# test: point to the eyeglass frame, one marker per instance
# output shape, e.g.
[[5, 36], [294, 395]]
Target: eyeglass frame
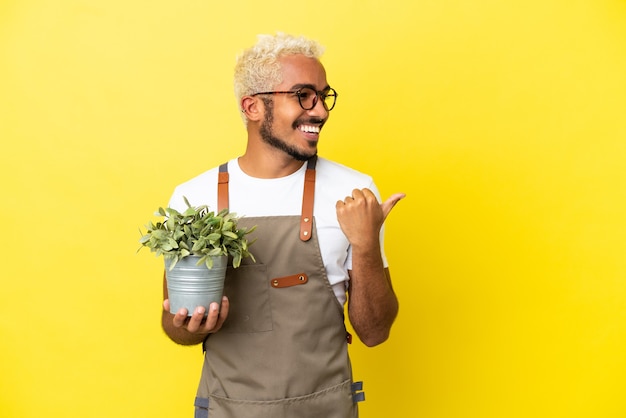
[[318, 96]]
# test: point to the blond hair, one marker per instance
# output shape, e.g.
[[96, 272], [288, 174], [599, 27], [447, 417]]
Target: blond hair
[[258, 68]]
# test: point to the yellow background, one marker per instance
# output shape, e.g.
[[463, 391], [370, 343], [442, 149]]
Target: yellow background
[[504, 122]]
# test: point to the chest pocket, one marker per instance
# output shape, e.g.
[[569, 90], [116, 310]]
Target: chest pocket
[[248, 291]]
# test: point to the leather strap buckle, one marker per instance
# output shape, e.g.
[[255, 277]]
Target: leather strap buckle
[[288, 281]]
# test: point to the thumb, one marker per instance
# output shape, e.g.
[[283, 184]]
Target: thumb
[[391, 202]]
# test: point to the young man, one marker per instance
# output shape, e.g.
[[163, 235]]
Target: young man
[[276, 347]]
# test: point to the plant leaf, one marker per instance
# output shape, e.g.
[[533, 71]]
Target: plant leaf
[[199, 244], [230, 234], [214, 237]]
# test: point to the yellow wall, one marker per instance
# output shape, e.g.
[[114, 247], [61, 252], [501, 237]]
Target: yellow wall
[[504, 122]]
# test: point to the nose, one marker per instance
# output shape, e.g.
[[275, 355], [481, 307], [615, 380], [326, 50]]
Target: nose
[[319, 110]]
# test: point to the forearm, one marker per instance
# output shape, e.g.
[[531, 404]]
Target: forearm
[[372, 303]]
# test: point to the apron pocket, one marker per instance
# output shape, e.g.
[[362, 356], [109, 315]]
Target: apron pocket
[[334, 402], [248, 291]]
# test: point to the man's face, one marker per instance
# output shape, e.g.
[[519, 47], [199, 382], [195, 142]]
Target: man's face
[[286, 125]]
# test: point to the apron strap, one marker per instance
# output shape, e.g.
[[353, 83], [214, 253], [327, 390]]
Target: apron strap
[[222, 188], [306, 218]]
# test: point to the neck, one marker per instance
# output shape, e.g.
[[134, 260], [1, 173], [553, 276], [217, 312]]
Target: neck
[[266, 165]]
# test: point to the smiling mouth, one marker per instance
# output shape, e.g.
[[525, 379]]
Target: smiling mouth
[[312, 129]]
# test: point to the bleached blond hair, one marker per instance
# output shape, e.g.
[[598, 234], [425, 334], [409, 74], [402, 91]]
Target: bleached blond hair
[[258, 68]]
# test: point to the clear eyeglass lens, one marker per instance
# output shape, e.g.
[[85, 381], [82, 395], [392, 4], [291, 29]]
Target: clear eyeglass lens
[[329, 99], [308, 98]]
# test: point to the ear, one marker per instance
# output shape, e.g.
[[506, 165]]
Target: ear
[[252, 108]]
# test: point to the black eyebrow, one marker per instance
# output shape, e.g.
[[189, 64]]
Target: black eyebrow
[[311, 86]]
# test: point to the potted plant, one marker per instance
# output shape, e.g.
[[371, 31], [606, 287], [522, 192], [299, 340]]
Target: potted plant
[[196, 245]]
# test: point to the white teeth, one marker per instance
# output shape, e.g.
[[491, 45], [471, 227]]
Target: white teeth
[[309, 128]]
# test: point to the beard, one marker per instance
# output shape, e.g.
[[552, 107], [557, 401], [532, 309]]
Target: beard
[[269, 138]]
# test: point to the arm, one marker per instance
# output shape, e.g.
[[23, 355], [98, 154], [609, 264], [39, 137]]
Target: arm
[[372, 303], [191, 330]]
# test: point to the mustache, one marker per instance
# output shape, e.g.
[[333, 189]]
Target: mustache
[[309, 121]]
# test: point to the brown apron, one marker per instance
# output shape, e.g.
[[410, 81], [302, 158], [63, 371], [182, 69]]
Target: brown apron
[[282, 351]]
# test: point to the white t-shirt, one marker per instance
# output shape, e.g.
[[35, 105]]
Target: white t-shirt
[[250, 196]]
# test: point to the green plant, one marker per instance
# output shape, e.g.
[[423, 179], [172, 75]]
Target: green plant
[[197, 231]]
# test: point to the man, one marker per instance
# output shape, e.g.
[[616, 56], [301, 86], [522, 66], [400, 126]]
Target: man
[[276, 346]]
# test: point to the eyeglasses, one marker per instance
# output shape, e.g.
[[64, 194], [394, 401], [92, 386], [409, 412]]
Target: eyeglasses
[[308, 97]]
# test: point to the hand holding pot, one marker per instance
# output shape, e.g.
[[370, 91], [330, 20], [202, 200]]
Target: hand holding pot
[[197, 324]]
